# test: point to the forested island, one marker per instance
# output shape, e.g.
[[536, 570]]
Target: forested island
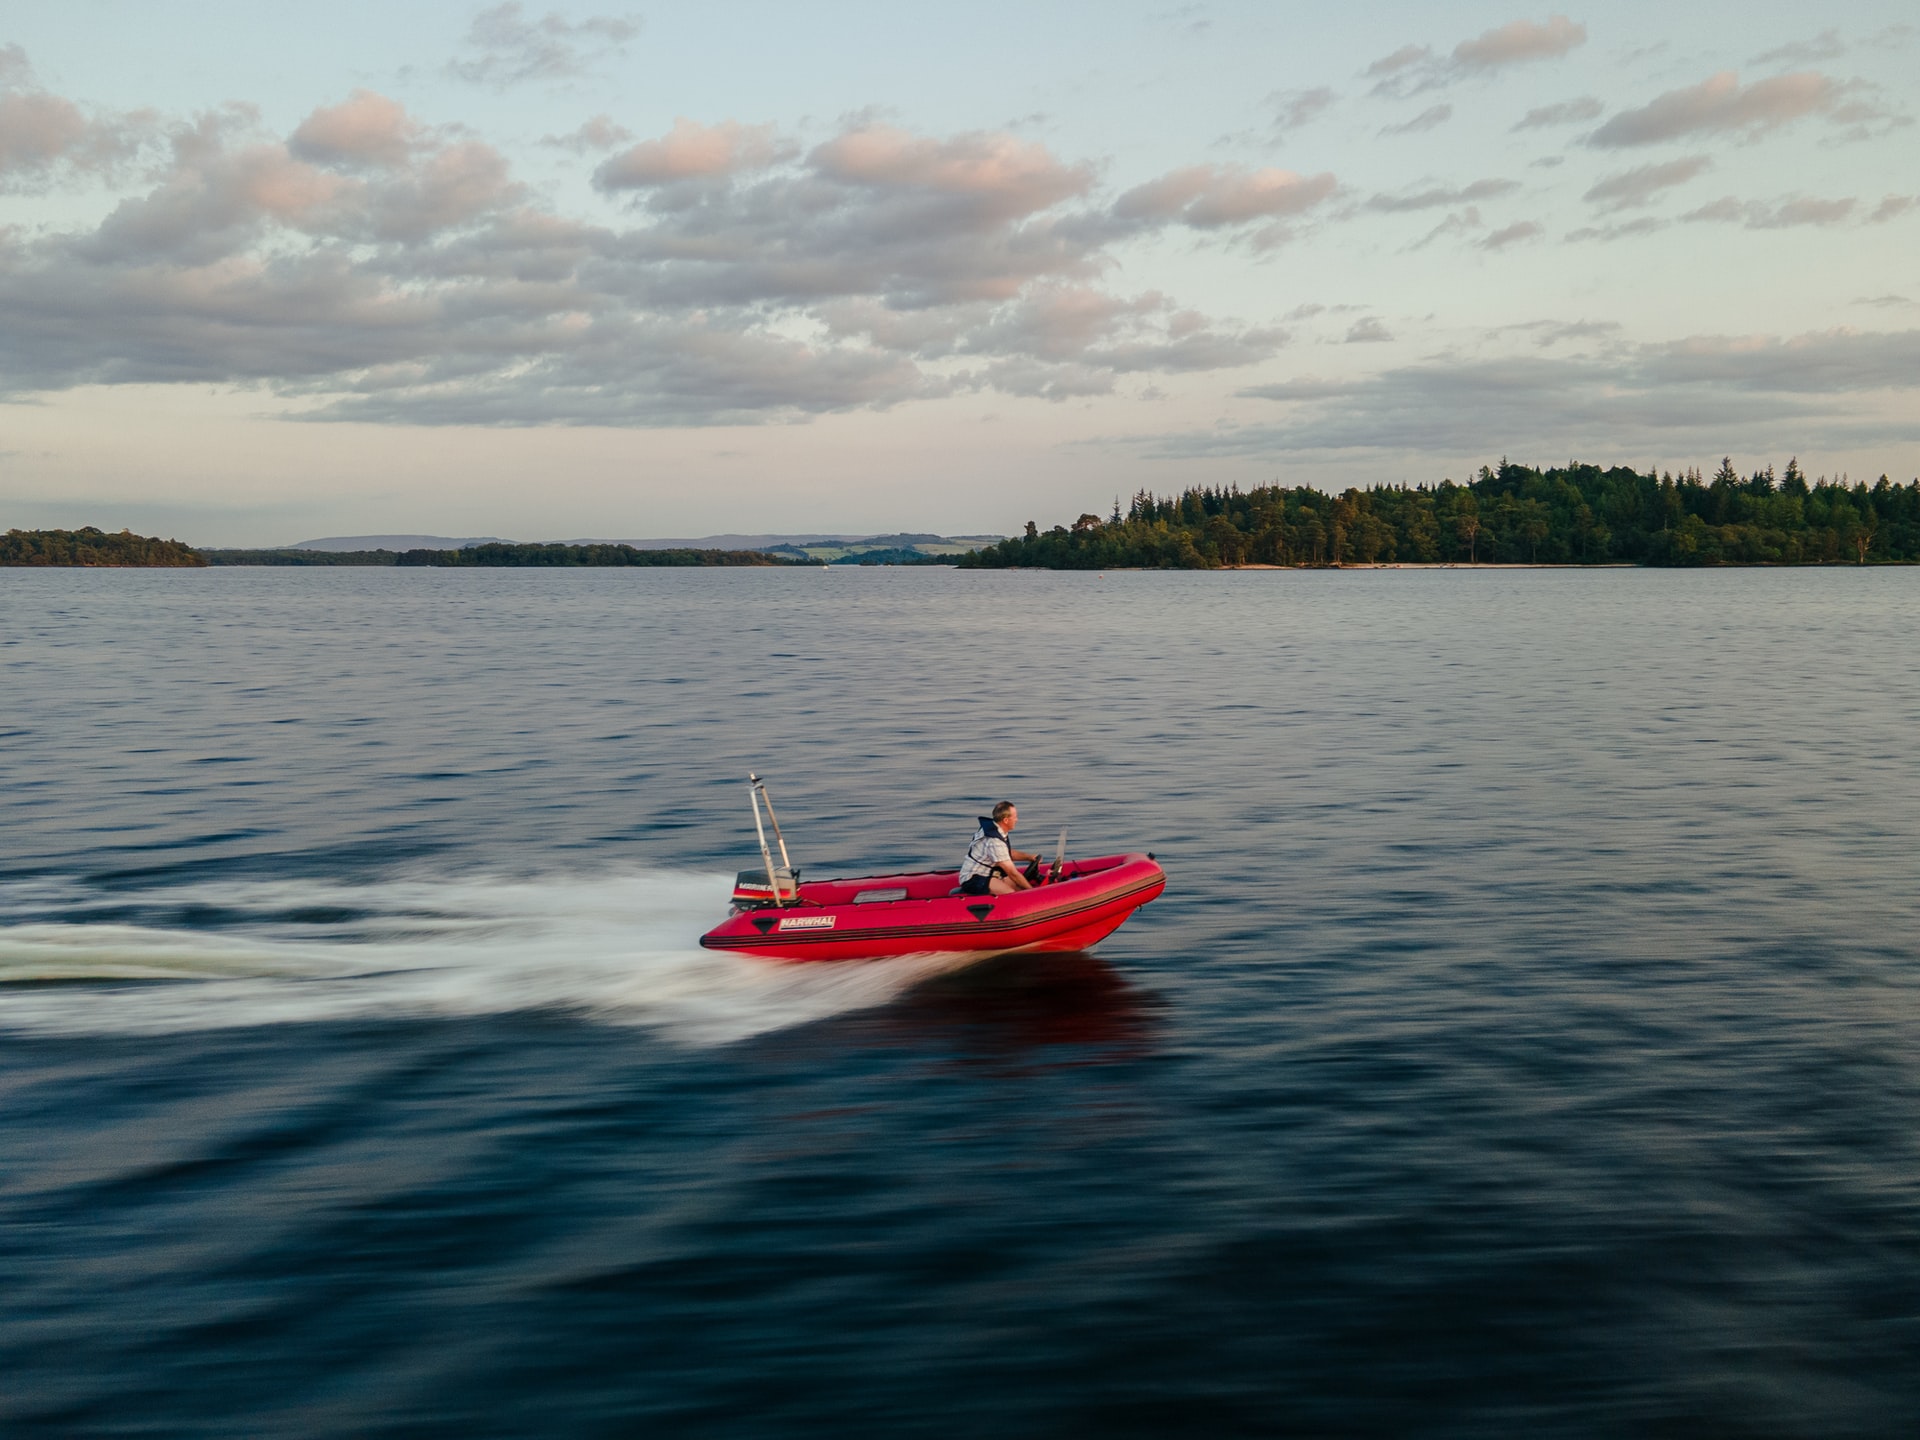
[[503, 554], [90, 547], [1575, 515]]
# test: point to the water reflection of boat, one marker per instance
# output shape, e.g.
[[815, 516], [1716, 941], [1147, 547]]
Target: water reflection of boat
[[1078, 904], [1027, 1004]]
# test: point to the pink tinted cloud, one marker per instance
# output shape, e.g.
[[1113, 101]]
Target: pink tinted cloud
[[1414, 68], [364, 129], [932, 263], [1518, 41], [690, 151], [42, 134], [1011, 176]]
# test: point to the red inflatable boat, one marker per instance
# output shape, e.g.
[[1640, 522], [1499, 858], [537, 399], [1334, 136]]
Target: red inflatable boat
[[1078, 903]]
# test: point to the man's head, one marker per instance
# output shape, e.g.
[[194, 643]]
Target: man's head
[[1005, 816]]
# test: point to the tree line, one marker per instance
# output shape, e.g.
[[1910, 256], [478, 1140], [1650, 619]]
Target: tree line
[[91, 546], [1516, 514], [282, 556]]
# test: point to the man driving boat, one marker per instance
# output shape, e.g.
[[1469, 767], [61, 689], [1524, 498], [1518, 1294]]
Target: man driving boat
[[992, 866]]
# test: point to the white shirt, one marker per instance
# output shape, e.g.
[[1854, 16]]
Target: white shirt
[[984, 855]]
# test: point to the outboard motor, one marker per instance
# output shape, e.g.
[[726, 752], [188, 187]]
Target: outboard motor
[[753, 891]]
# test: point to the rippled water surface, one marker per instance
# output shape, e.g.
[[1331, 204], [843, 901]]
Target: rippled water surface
[[1528, 1041]]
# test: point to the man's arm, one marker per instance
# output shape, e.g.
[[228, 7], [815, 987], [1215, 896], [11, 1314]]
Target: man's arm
[[1011, 872]]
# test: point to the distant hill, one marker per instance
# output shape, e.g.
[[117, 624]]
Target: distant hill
[[724, 542], [396, 543], [812, 545]]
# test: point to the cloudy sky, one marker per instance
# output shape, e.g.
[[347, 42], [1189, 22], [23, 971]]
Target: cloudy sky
[[276, 271]]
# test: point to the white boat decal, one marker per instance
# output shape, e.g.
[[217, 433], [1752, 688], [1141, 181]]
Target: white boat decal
[[808, 922]]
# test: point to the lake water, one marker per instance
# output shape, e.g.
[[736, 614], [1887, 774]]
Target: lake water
[[1528, 1041]]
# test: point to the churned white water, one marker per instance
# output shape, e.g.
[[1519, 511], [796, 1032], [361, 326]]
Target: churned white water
[[620, 948]]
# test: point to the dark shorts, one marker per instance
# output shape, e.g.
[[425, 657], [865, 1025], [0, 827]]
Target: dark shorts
[[978, 885]]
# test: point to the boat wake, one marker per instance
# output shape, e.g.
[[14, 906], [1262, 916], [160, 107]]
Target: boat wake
[[617, 948]]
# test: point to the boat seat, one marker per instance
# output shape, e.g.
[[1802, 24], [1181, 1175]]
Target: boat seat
[[880, 897]]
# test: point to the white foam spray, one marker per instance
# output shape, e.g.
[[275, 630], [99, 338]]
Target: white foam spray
[[619, 948]]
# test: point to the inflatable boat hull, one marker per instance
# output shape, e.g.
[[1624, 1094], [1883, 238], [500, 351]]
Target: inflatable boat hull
[[887, 915]]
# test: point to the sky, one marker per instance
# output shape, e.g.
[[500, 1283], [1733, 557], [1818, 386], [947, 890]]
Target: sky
[[272, 272]]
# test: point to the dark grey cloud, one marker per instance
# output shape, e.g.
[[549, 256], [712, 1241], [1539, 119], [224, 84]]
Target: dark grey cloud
[[1829, 362], [1565, 112], [1892, 208], [1548, 333], [1461, 222], [1827, 45], [1257, 206], [598, 133], [1862, 115], [1295, 109], [1628, 189], [1370, 331], [507, 47], [1720, 104], [1431, 118], [380, 269], [1436, 196], [1693, 392], [1514, 234], [1625, 230], [15, 68], [1773, 214]]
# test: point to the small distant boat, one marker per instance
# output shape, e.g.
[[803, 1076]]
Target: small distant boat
[[1077, 904]]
